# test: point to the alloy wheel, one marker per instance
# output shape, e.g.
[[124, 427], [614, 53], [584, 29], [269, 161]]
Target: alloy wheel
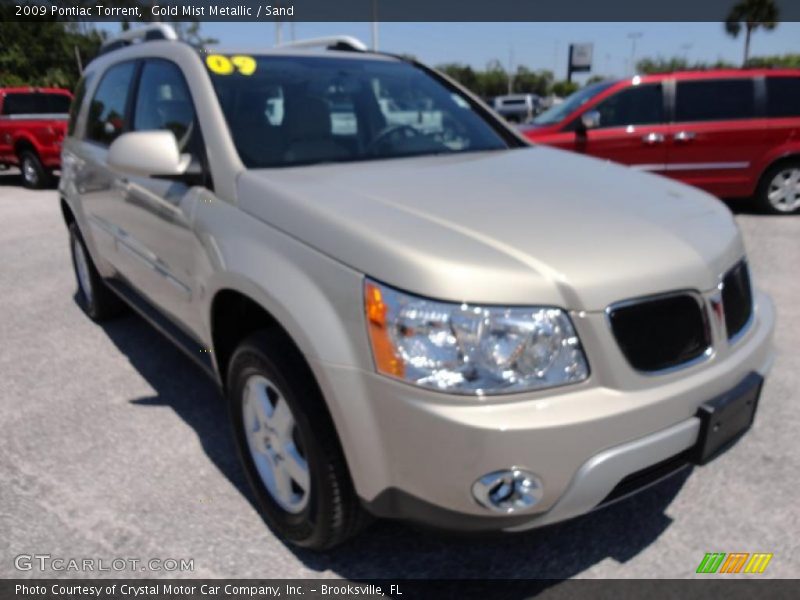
[[784, 190], [275, 444]]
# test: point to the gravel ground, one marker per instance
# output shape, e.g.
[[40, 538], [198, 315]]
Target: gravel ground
[[112, 444]]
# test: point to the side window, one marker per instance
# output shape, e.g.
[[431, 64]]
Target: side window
[[77, 102], [637, 105], [782, 96], [107, 110], [164, 102], [715, 100]]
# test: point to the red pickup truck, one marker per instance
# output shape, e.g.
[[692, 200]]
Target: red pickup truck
[[33, 122]]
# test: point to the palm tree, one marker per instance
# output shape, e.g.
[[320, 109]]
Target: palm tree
[[752, 14]]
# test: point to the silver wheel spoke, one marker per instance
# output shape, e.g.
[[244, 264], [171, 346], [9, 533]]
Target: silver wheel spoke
[[257, 396], [297, 467], [281, 420], [777, 194], [283, 484]]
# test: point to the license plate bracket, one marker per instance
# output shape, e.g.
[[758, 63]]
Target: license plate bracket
[[724, 418]]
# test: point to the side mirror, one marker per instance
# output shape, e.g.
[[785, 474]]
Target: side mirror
[[148, 153], [590, 119]]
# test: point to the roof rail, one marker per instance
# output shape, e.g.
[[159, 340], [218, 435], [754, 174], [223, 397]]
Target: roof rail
[[149, 33], [334, 42]]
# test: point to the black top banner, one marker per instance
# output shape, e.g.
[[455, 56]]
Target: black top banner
[[380, 10]]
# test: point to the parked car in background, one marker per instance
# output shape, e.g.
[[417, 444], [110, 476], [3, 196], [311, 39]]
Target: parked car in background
[[517, 108], [734, 133], [423, 318], [33, 122]]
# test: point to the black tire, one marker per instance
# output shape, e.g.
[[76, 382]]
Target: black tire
[[333, 512], [100, 303], [762, 193], [34, 175]]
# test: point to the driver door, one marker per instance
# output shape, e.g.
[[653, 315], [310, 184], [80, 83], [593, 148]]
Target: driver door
[[159, 239]]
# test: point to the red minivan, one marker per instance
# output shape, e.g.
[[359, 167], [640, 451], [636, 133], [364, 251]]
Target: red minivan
[[733, 133]]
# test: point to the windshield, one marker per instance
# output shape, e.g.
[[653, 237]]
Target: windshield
[[35, 104], [558, 112], [284, 111]]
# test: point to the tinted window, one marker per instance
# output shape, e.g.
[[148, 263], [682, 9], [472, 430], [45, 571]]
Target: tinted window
[[638, 105], [163, 101], [35, 104], [783, 96], [558, 112], [75, 107], [107, 110], [715, 100], [302, 110]]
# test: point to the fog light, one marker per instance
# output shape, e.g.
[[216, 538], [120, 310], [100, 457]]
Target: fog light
[[508, 491]]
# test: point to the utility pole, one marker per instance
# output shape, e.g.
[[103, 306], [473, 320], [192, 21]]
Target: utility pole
[[686, 47], [511, 70], [374, 25], [633, 36]]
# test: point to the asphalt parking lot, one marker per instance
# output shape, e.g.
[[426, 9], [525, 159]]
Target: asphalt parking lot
[[112, 444]]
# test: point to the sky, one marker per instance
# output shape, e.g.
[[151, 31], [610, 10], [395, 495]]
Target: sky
[[536, 45]]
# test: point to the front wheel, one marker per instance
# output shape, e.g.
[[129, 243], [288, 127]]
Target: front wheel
[[779, 191], [288, 445]]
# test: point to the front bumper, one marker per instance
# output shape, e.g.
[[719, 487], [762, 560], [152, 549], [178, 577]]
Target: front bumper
[[415, 454]]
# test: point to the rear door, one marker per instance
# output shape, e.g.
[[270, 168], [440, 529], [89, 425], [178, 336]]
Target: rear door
[[100, 188], [717, 135]]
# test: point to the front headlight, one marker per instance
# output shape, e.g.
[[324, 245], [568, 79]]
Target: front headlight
[[468, 349]]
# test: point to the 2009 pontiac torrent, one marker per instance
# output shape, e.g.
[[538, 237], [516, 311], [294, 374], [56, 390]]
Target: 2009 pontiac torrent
[[412, 311]]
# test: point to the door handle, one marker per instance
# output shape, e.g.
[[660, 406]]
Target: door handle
[[684, 136], [653, 138]]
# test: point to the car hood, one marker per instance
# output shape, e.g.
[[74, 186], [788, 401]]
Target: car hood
[[525, 226]]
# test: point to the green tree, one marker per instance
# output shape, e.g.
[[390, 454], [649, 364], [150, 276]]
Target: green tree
[[790, 61], [44, 53], [494, 80], [527, 81], [564, 88], [648, 66], [595, 79], [751, 14], [463, 74]]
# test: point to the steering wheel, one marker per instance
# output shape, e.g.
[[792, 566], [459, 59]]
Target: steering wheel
[[389, 131]]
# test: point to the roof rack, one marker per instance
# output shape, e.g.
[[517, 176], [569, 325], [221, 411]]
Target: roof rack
[[149, 33], [334, 42]]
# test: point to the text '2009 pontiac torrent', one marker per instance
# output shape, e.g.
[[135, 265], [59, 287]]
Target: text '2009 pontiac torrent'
[[412, 312]]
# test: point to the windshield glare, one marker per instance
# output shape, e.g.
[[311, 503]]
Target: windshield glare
[[559, 112], [303, 110]]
